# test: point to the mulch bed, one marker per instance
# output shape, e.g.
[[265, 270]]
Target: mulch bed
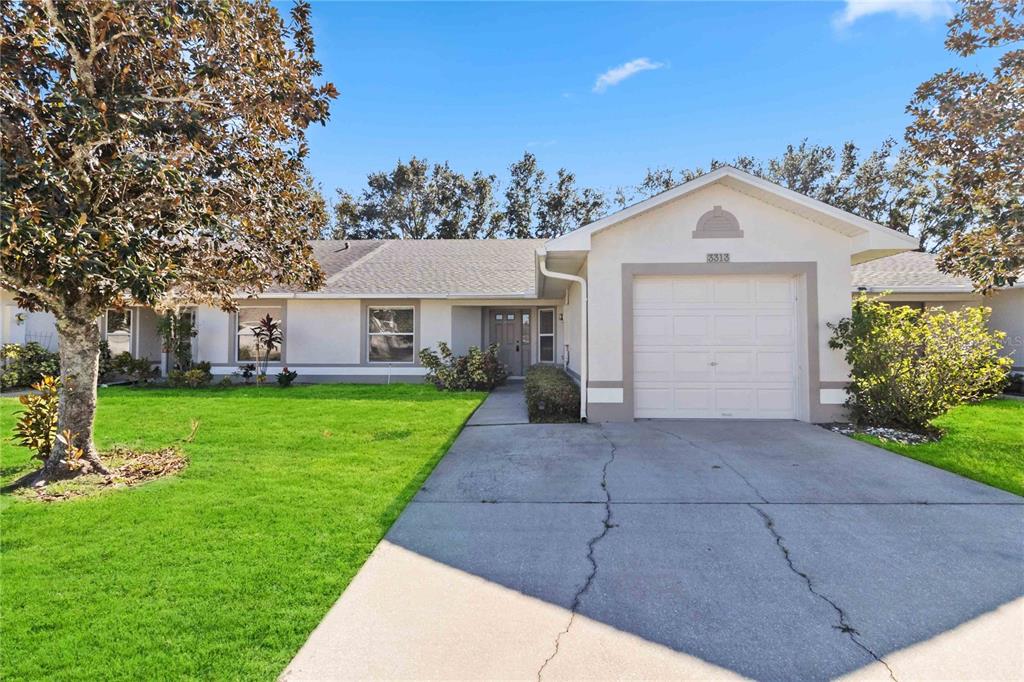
[[885, 433], [127, 469]]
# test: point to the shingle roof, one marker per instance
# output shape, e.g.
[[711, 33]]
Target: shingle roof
[[429, 267], [909, 270]]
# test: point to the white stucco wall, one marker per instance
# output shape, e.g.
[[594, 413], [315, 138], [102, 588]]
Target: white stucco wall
[[213, 326], [1008, 316], [33, 326], [571, 325], [435, 323], [466, 328], [322, 331], [663, 235]]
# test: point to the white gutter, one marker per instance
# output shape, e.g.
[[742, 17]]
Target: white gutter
[[583, 325]]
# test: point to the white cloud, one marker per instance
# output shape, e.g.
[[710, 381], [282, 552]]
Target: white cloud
[[924, 10], [616, 75]]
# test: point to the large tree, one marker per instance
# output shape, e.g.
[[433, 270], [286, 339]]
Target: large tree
[[970, 127], [151, 150], [417, 200]]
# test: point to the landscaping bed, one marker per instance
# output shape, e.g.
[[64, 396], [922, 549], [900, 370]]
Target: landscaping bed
[[221, 570], [551, 395]]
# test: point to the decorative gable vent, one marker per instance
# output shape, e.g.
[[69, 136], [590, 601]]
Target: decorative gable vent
[[717, 223]]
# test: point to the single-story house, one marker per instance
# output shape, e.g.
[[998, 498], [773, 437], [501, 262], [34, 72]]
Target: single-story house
[[711, 299]]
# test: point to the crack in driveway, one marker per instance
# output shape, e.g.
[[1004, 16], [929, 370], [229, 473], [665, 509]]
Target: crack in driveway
[[844, 625], [606, 525], [720, 457]]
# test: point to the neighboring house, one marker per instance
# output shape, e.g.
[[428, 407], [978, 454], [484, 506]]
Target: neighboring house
[[708, 300], [912, 278]]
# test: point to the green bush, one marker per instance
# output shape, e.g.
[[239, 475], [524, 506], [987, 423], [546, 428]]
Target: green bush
[[551, 395], [285, 377], [909, 366], [139, 370], [478, 370], [196, 377], [37, 422], [26, 365]]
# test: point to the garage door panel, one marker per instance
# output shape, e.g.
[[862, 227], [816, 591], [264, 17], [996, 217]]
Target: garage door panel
[[693, 366], [734, 330], [774, 330], [715, 347], [692, 330], [652, 365]]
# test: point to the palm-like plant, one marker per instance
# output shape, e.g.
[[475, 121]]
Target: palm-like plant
[[268, 336]]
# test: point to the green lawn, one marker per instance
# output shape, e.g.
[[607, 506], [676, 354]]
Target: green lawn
[[984, 442], [222, 571]]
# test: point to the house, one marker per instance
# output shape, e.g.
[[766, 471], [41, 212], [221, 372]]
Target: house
[[711, 299]]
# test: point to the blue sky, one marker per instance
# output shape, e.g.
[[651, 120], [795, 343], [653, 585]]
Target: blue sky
[[477, 84]]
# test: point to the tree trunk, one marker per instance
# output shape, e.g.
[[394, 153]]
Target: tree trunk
[[79, 347]]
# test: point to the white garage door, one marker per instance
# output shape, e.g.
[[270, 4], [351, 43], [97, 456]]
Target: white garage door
[[715, 347]]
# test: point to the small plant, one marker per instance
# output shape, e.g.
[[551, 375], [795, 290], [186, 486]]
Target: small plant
[[177, 329], [908, 366], [36, 428], [285, 377], [478, 370], [225, 382], [139, 370], [191, 378], [551, 395], [24, 365], [268, 336], [246, 371], [106, 367]]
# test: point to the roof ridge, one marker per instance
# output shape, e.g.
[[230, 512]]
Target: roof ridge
[[381, 245]]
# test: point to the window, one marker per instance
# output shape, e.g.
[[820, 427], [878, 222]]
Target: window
[[391, 334], [546, 334], [119, 331], [248, 318]]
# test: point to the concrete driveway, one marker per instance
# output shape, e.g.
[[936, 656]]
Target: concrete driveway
[[683, 550]]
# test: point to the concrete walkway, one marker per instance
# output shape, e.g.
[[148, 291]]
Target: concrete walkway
[[684, 550], [504, 406]]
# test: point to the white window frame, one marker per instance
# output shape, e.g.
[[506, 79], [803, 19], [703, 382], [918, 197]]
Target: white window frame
[[238, 332], [541, 334], [131, 328], [369, 333]]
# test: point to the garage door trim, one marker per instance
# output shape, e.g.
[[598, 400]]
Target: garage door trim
[[809, 271]]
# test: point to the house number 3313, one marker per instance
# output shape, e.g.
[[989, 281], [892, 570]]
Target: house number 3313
[[718, 258]]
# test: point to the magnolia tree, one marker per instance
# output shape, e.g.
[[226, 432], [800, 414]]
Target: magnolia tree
[[968, 126], [152, 151]]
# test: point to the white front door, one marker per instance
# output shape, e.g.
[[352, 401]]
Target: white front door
[[719, 347]]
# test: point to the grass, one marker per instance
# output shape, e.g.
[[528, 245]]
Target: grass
[[222, 571], [984, 442]]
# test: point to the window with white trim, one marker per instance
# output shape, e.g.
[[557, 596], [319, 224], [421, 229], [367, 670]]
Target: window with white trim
[[119, 331], [546, 334], [391, 334], [248, 317]]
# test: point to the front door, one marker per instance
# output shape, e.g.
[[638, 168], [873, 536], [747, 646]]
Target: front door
[[510, 329]]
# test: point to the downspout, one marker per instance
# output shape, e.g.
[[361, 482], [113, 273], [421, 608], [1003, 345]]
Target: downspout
[[583, 325]]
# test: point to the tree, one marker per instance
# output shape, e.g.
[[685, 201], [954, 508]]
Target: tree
[[415, 200], [968, 125], [522, 197], [562, 207], [151, 150]]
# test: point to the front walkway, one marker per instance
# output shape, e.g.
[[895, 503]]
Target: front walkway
[[683, 550], [504, 406]]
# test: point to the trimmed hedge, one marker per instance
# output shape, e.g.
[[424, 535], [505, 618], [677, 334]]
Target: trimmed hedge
[[551, 395]]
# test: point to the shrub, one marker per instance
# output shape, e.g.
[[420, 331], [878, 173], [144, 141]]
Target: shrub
[[909, 366], [246, 371], [139, 370], [285, 377], [478, 370], [106, 362], [196, 377], [26, 365], [551, 395], [37, 422]]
